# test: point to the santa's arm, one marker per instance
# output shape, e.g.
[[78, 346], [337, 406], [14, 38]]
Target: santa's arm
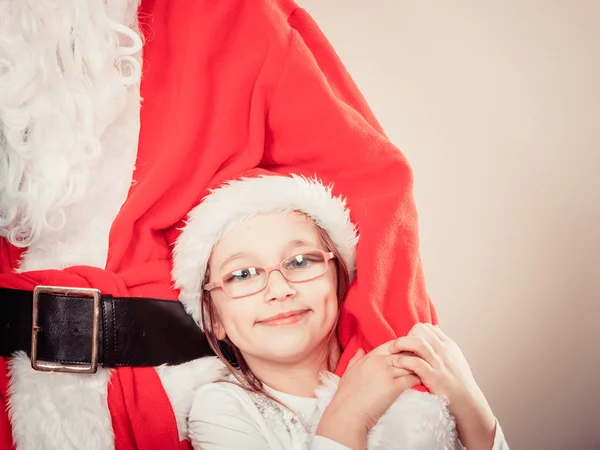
[[319, 123]]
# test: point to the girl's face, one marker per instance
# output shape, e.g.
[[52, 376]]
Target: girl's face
[[251, 323]]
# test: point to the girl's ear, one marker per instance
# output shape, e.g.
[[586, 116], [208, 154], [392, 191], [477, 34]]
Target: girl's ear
[[219, 329]]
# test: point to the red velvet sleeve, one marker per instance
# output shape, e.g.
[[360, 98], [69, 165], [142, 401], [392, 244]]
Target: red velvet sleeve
[[319, 123]]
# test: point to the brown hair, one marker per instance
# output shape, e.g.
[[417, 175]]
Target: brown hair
[[231, 355]]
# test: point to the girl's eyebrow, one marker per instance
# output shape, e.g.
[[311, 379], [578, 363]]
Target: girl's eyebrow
[[232, 258], [300, 243]]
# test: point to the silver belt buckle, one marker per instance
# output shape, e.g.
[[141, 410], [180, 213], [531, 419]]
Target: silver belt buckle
[[94, 294]]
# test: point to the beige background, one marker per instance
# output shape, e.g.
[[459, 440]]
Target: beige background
[[497, 107]]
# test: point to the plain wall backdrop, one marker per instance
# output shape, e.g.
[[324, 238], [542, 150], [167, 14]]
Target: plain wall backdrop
[[497, 107]]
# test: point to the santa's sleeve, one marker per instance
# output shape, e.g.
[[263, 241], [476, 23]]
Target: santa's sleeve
[[319, 123]]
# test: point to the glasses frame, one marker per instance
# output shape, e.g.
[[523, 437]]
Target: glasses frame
[[218, 284]]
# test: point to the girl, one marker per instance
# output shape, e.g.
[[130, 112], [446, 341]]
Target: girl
[[263, 265]]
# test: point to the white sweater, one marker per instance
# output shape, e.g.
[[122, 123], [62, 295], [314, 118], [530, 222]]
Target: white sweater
[[225, 416]]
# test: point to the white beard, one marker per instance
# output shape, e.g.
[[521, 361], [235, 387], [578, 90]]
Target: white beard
[[69, 121]]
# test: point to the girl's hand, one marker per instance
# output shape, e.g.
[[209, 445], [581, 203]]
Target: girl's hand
[[367, 389], [444, 370], [372, 382]]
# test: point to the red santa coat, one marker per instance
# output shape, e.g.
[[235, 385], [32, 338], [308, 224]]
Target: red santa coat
[[228, 86]]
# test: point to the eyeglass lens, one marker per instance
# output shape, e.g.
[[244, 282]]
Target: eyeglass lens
[[249, 280]]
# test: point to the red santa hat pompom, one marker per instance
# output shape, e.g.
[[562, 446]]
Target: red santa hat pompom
[[255, 192]]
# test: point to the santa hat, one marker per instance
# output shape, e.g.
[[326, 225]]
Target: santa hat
[[255, 192]]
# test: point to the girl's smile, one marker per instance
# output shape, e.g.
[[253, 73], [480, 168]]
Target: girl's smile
[[286, 318]]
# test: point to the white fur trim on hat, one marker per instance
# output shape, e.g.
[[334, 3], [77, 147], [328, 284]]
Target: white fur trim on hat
[[226, 207]]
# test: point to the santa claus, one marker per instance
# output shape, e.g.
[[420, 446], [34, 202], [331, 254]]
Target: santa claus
[[114, 119]]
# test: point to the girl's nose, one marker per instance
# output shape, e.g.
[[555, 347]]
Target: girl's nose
[[278, 288]]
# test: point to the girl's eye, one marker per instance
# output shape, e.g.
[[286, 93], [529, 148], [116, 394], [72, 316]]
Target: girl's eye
[[242, 274], [300, 262]]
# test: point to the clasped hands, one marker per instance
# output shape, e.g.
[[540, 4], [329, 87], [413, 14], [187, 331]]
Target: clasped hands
[[427, 356]]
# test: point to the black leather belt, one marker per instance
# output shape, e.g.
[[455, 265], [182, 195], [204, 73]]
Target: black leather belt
[[75, 330]]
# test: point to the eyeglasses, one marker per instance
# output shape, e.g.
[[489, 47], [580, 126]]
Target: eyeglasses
[[250, 280]]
